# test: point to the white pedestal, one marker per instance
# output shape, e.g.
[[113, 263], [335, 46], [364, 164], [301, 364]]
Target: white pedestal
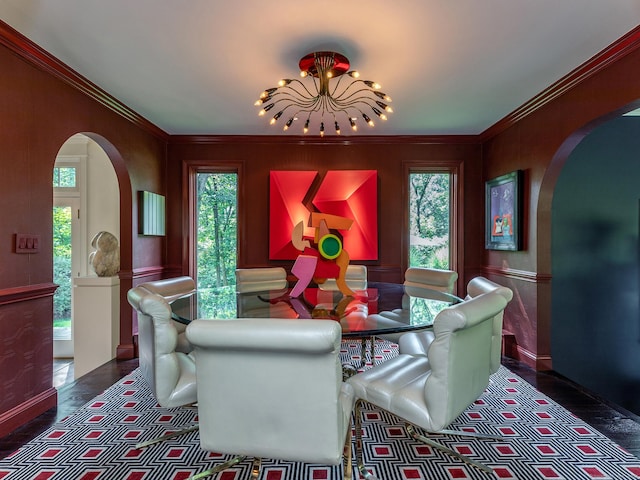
[[96, 318]]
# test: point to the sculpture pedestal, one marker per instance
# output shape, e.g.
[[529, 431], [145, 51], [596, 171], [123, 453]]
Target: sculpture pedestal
[[96, 318]]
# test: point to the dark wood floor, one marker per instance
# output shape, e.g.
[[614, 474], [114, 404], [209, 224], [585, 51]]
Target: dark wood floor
[[71, 396], [619, 425]]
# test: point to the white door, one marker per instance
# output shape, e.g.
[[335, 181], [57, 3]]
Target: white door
[[66, 265]]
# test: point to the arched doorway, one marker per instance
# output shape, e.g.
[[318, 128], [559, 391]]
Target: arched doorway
[[86, 201], [588, 215], [595, 214]]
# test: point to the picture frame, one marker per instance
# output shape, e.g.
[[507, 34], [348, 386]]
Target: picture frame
[[503, 211], [151, 214]]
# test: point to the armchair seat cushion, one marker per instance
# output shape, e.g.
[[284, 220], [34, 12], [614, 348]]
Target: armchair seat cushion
[[380, 385], [416, 343]]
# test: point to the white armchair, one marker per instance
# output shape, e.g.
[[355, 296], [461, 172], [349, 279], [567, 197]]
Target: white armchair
[[417, 343], [259, 279], [171, 375], [272, 388], [171, 289], [433, 278], [420, 282], [355, 277], [431, 391]]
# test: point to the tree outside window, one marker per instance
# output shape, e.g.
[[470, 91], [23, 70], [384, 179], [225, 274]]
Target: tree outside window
[[429, 220]]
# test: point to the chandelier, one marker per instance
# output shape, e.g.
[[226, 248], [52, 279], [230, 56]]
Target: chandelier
[[320, 103]]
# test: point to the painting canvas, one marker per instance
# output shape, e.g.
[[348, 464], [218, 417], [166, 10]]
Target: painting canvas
[[502, 218], [352, 194]]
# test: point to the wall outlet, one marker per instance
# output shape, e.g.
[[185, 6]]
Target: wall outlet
[[27, 243]]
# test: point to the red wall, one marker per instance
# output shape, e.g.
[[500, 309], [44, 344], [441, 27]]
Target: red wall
[[255, 157], [38, 113]]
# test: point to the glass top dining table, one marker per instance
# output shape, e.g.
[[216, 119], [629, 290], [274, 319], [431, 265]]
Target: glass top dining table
[[381, 308]]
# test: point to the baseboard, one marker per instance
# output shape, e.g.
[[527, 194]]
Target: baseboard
[[125, 351], [511, 349], [27, 411]]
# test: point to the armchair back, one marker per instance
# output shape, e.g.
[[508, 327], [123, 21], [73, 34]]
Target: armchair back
[[478, 286], [272, 388], [459, 357], [441, 280], [258, 279], [170, 374]]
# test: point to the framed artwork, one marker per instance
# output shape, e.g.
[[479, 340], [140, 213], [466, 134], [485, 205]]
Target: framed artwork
[[503, 204], [353, 194], [151, 215]]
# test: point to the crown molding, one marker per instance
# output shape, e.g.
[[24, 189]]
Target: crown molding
[[326, 140], [34, 54], [614, 52]]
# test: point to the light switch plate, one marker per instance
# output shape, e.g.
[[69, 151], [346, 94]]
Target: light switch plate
[[27, 243]]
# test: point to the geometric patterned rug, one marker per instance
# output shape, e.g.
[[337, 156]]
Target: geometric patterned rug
[[542, 441]]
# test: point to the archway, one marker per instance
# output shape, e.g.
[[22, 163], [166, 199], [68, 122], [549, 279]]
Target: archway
[[125, 349], [591, 199], [101, 196]]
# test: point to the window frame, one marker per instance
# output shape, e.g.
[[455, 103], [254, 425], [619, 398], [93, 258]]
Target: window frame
[[191, 169], [456, 225]]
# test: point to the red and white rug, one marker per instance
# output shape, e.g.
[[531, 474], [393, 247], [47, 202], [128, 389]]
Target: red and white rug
[[542, 441]]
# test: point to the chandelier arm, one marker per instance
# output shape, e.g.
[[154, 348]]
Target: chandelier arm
[[337, 84], [341, 104], [298, 82], [296, 101], [349, 91], [344, 107], [290, 90], [310, 106]]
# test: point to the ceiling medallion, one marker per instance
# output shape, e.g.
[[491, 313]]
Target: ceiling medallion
[[328, 99]]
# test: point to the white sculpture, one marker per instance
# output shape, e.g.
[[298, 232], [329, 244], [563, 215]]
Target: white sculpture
[[106, 258]]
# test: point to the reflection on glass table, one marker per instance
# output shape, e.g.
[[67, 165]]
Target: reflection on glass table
[[383, 308]]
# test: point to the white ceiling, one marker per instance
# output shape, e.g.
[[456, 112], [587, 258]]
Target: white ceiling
[[197, 66]]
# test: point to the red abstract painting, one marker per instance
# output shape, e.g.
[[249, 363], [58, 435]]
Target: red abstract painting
[[347, 193]]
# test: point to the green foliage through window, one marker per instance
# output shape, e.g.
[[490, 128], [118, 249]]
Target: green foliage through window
[[62, 266], [429, 218], [216, 229], [64, 177]]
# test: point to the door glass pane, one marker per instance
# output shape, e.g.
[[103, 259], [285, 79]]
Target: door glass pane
[[64, 177], [429, 218], [216, 229], [62, 272]]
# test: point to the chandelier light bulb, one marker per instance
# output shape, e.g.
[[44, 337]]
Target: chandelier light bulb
[[325, 94], [288, 124]]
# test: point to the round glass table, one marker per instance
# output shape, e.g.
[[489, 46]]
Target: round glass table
[[382, 308]]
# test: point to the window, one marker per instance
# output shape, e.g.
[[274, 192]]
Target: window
[[216, 229], [64, 177], [429, 220]]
